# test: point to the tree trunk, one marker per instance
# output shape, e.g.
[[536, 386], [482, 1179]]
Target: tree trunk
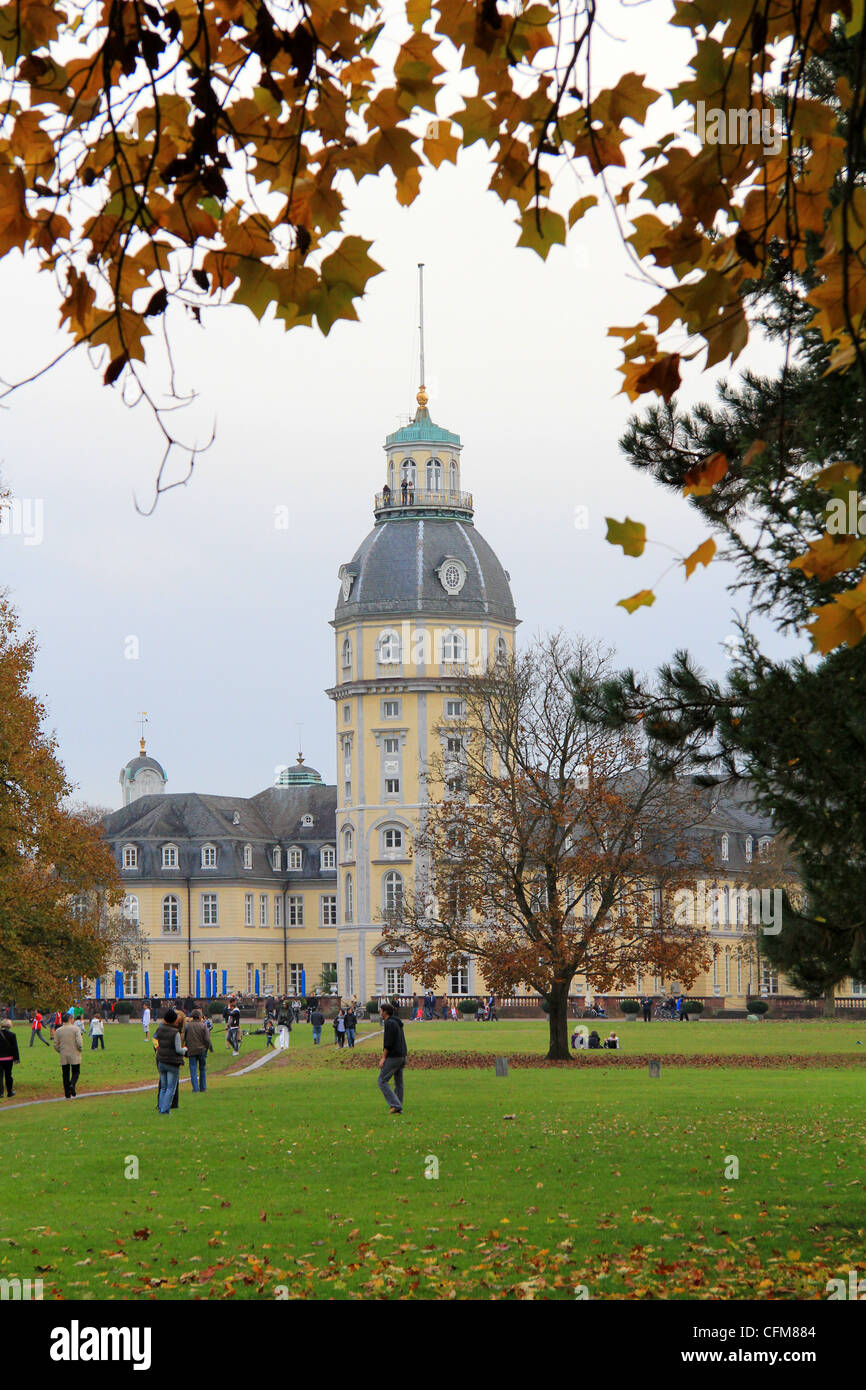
[[557, 1002], [830, 1002]]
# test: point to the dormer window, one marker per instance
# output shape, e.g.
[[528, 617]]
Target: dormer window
[[749, 843], [208, 856], [169, 857], [725, 847], [248, 856], [764, 846], [276, 858], [236, 817], [307, 820], [296, 858], [328, 857], [130, 857]]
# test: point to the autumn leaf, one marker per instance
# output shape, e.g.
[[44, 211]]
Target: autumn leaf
[[754, 450], [702, 556], [701, 479], [644, 598], [842, 621], [541, 229], [631, 535], [829, 556]]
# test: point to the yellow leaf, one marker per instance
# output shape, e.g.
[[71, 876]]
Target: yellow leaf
[[580, 207], [645, 598], [702, 556], [541, 229], [830, 555], [631, 535], [841, 621], [837, 473]]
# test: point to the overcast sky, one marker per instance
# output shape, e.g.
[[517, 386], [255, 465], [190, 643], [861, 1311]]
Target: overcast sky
[[229, 613]]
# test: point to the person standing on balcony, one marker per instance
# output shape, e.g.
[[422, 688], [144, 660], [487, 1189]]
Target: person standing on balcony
[[404, 489]]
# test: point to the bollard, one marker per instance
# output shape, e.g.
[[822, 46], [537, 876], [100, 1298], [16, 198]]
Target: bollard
[[655, 1067], [501, 1066]]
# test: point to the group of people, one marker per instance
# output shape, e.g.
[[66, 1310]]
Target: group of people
[[580, 1039], [178, 1039]]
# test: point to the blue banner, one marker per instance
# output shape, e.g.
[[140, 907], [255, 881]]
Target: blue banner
[[198, 984], [147, 984], [166, 985], [99, 989], [303, 984], [118, 984], [225, 989], [257, 984], [174, 984]]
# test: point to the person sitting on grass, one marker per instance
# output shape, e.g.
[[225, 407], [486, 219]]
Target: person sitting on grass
[[612, 1041], [593, 1040], [578, 1038]]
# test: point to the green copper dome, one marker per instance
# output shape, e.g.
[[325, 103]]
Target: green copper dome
[[422, 431], [299, 776]]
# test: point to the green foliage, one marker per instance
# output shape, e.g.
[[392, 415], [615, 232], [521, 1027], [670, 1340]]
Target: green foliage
[[467, 1006], [124, 1007], [629, 1006], [757, 1006]]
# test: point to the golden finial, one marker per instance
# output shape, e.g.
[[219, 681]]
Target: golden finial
[[421, 397]]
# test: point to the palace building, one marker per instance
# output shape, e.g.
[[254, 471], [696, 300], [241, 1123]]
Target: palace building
[[286, 890]]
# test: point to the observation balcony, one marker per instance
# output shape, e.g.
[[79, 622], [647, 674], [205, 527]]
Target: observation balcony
[[411, 500]]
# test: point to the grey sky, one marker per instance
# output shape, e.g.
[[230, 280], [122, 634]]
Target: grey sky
[[231, 613]]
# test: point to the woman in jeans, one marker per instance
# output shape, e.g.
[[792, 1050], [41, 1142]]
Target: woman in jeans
[[97, 1033], [198, 1045], [169, 1055], [351, 1021]]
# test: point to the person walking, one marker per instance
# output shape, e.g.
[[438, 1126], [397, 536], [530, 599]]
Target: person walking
[[145, 1022], [67, 1041], [340, 1029], [169, 1055], [317, 1019], [36, 1029], [284, 1022], [296, 1009], [198, 1045], [8, 1056], [351, 1025], [392, 1066], [97, 1033], [233, 1029], [269, 1030]]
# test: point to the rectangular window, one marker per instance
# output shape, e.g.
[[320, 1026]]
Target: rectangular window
[[251, 976], [392, 745], [264, 979], [278, 910], [454, 746], [769, 979], [394, 981], [329, 910], [209, 857], [172, 969], [392, 786], [169, 857], [130, 857], [296, 971], [279, 970], [263, 909], [347, 714], [209, 916], [454, 709], [350, 977], [248, 909], [458, 979], [390, 709], [347, 793], [130, 984], [296, 910]]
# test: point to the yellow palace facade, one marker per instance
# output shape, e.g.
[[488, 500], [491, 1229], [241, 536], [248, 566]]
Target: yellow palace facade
[[285, 891]]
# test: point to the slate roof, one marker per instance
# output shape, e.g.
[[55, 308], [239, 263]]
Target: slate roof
[[395, 572], [190, 819]]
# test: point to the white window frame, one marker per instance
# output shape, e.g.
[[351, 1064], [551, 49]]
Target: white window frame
[[130, 856], [346, 654], [296, 858], [391, 709], [208, 856], [209, 910], [295, 917], [388, 648], [264, 911], [276, 858], [725, 848], [393, 890], [453, 648], [328, 857], [171, 909], [328, 910], [248, 856], [249, 909], [348, 843], [348, 898], [170, 857]]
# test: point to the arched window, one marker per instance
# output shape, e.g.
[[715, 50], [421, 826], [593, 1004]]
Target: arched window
[[296, 858], [276, 858], [452, 475], [169, 856], [408, 472], [348, 899], [764, 846], [454, 648], [348, 843], [248, 856], [346, 654], [130, 907], [208, 856], [391, 474], [393, 891], [388, 648], [171, 913], [130, 857], [393, 842], [328, 858], [307, 819], [725, 847], [501, 650], [434, 475]]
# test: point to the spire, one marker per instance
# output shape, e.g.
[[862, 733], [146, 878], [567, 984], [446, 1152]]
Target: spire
[[422, 393], [142, 719]]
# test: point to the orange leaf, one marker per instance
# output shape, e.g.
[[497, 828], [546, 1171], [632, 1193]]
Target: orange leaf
[[701, 479], [702, 556], [645, 598]]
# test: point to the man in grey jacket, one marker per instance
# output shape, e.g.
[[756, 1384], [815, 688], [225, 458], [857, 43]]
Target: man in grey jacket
[[67, 1041], [393, 1060]]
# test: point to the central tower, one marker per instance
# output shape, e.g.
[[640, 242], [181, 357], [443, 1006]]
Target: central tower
[[423, 602]]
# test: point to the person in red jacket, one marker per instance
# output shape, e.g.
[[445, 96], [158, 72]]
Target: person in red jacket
[[36, 1029]]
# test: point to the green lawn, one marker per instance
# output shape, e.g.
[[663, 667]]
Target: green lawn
[[295, 1178]]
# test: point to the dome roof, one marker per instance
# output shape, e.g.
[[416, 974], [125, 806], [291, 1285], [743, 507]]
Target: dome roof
[[396, 570], [137, 765], [422, 431], [299, 775]]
